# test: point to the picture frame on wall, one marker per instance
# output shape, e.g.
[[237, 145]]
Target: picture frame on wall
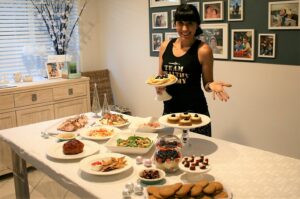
[[242, 44], [284, 15], [196, 4], [266, 45], [216, 36], [170, 35], [235, 10], [172, 19], [159, 20], [156, 41], [213, 11], [162, 3], [54, 69]]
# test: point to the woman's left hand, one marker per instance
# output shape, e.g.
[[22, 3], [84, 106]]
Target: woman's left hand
[[218, 90]]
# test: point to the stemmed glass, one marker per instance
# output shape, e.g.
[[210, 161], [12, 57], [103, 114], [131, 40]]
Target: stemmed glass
[[96, 107]]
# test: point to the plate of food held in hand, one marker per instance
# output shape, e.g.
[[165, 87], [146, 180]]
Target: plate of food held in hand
[[106, 164], [184, 120], [72, 149], [102, 132], [162, 80], [113, 119], [195, 164], [131, 143]]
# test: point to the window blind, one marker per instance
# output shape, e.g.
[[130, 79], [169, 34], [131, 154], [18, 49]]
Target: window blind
[[24, 39]]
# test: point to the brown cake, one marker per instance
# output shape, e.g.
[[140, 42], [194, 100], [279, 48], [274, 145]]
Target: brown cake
[[185, 122], [73, 147], [173, 119], [185, 115], [196, 119]]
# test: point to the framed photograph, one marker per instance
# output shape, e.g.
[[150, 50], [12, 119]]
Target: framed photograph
[[54, 69], [284, 15], [235, 10], [170, 35], [216, 36], [159, 20], [242, 44], [266, 45], [161, 3], [172, 19], [196, 4], [157, 39], [213, 11]]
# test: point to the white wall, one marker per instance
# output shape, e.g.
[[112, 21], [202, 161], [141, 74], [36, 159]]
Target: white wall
[[264, 109]]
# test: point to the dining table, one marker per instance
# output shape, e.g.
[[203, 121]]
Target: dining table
[[245, 172]]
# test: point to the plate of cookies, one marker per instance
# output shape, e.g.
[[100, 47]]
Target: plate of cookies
[[184, 120], [195, 164], [201, 189], [162, 80]]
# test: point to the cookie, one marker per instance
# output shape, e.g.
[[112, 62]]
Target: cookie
[[196, 190], [219, 186], [184, 190], [210, 188], [152, 190], [222, 194], [203, 183], [169, 190]]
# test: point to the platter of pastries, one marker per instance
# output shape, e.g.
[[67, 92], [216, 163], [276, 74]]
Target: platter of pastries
[[105, 164], [201, 189], [72, 149], [103, 132], [184, 120], [162, 80], [113, 119]]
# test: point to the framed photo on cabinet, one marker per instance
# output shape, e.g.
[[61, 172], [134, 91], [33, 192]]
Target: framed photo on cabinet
[[156, 41], [213, 11], [266, 45], [284, 15], [242, 44], [54, 69], [162, 3], [235, 10], [159, 20], [216, 36]]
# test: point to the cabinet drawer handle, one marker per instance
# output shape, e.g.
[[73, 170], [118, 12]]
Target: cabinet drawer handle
[[34, 97], [70, 91]]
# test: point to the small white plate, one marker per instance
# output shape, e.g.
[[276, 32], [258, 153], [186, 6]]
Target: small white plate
[[197, 168], [85, 164], [162, 175], [56, 150], [85, 133], [112, 143], [103, 122], [66, 136]]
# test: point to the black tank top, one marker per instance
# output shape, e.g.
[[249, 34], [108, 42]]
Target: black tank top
[[187, 94]]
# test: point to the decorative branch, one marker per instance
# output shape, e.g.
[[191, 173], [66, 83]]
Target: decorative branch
[[55, 15]]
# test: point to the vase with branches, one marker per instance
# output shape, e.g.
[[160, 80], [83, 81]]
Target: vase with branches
[[56, 16]]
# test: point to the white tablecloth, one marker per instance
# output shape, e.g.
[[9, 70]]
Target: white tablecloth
[[247, 172]]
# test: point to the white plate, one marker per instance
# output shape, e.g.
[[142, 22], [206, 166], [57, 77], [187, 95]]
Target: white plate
[[85, 164], [85, 132], [56, 150], [143, 127], [162, 175], [205, 121], [66, 136], [112, 143], [115, 125]]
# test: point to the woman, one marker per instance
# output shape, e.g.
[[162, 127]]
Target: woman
[[188, 59]]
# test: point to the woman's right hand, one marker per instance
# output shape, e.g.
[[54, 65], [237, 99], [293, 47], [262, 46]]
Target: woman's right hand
[[159, 90]]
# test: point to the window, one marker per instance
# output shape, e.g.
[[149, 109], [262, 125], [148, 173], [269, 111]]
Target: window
[[24, 39]]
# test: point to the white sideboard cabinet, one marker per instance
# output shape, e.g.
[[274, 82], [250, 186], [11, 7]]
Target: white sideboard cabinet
[[33, 102]]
